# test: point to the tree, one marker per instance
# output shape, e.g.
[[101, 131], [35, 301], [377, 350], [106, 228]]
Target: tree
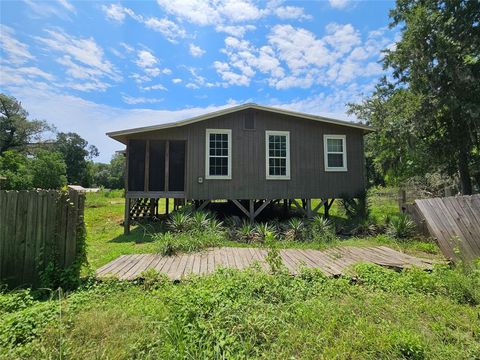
[[14, 166], [76, 153], [110, 175], [438, 59], [16, 131], [430, 111], [48, 170]]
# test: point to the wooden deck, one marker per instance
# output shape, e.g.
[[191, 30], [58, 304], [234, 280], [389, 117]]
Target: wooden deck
[[332, 262]]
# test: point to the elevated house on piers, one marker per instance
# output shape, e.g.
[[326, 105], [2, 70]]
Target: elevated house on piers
[[250, 155]]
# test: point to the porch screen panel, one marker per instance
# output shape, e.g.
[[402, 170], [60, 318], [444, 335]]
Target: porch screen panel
[[136, 165], [176, 168], [157, 165]]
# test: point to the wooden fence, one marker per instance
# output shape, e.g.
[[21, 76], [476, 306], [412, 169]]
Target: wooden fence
[[454, 222], [38, 227]]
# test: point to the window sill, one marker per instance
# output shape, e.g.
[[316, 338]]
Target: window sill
[[336, 169], [278, 178], [218, 178]]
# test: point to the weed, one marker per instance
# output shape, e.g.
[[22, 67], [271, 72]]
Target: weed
[[296, 231], [401, 227]]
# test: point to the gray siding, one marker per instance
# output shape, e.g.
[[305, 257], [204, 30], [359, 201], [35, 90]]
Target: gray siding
[[308, 178]]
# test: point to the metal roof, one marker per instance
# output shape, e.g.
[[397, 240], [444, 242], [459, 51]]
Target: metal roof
[[120, 133]]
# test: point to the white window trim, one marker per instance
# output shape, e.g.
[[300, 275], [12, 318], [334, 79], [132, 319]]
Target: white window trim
[[207, 154], [344, 153], [267, 156]]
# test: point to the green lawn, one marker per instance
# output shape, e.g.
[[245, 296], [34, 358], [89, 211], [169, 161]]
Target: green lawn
[[105, 240], [373, 313]]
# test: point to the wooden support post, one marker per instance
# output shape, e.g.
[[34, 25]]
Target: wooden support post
[[285, 206], [126, 220], [252, 211], [203, 205], [241, 207], [402, 199], [152, 208], [327, 207], [309, 208], [166, 206], [260, 209]]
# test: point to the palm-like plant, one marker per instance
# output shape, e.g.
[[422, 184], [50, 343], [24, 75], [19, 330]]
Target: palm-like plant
[[264, 230], [200, 219], [296, 230], [401, 227], [179, 221]]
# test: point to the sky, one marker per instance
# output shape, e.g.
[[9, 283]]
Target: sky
[[92, 67]]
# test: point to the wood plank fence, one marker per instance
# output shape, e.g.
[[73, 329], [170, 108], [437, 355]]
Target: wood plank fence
[[38, 227], [454, 222]]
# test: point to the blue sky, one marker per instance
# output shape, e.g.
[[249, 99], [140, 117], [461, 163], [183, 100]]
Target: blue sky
[[92, 67]]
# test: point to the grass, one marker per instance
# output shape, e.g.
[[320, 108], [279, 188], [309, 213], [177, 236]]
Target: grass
[[252, 314], [371, 313], [105, 240]]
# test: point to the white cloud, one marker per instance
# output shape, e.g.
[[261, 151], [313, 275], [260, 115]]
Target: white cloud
[[166, 27], [166, 71], [235, 30], [196, 51], [176, 81], [16, 51], [339, 4], [82, 50], [291, 12], [296, 57], [213, 12], [155, 87], [82, 58], [192, 86], [49, 8], [130, 100], [145, 59], [67, 5], [114, 12]]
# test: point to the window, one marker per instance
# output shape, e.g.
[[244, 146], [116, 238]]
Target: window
[[218, 162], [277, 155], [335, 149]]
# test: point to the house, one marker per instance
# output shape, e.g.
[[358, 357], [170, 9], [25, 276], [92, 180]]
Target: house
[[248, 154]]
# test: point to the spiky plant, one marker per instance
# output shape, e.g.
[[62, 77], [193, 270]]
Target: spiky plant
[[401, 227], [200, 219], [179, 221], [246, 232], [264, 230], [296, 230], [321, 229]]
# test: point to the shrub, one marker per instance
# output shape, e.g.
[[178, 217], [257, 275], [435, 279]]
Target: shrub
[[321, 230], [401, 227], [296, 230], [246, 233], [194, 240], [180, 221], [356, 208], [263, 230]]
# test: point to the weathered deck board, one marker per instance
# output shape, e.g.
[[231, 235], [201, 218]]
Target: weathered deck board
[[332, 262], [455, 223]]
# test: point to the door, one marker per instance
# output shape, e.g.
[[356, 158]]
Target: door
[[176, 165]]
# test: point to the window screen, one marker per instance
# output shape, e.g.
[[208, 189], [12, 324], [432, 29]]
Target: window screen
[[218, 152], [277, 155]]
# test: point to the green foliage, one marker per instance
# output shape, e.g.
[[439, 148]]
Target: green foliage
[[48, 170], [194, 240], [401, 227], [110, 176], [15, 167], [76, 152], [253, 314], [263, 231], [297, 230], [16, 131], [427, 117], [321, 230], [179, 221], [45, 170], [356, 208]]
